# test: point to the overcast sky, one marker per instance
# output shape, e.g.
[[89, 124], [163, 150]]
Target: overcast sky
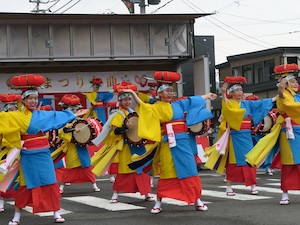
[[239, 26]]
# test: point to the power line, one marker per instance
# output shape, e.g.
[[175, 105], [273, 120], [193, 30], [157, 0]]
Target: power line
[[232, 29], [63, 6], [71, 6], [161, 7]]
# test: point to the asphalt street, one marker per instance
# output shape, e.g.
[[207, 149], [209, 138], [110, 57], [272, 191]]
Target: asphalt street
[[81, 206]]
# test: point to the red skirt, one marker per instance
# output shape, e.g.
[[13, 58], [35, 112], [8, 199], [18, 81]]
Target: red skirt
[[41, 199], [132, 183], [290, 177], [241, 174], [59, 173], [78, 175], [187, 189], [113, 168], [10, 193]]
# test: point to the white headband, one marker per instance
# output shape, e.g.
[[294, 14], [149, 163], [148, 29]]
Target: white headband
[[234, 87], [124, 95], [9, 105], [288, 77], [29, 92], [163, 87]]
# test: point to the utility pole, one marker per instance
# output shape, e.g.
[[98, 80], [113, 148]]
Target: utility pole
[[37, 8], [142, 7]]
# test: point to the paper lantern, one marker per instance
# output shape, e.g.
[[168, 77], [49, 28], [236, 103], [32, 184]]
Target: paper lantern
[[286, 68], [27, 80], [124, 85], [167, 76]]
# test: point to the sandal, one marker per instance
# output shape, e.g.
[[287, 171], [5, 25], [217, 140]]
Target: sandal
[[230, 193], [201, 207], [14, 222], [59, 220], [284, 202], [156, 210], [96, 189], [114, 200], [2, 210], [149, 199], [254, 192]]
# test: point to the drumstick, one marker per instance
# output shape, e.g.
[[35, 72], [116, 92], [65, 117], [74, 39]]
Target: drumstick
[[84, 126]]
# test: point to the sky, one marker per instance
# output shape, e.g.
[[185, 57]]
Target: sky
[[238, 26]]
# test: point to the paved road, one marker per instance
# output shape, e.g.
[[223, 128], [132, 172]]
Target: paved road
[[81, 206]]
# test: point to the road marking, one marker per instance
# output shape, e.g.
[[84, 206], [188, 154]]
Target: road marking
[[241, 197], [103, 203], [29, 209], [164, 201], [265, 189]]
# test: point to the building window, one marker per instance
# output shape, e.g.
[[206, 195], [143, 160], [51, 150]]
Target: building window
[[258, 72], [247, 73], [237, 71], [291, 60], [268, 69]]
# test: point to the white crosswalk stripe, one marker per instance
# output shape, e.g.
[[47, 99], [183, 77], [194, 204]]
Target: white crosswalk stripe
[[241, 197], [103, 203], [264, 189], [29, 209], [165, 200]]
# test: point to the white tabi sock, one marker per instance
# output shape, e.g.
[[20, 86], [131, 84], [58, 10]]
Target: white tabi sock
[[56, 215], [157, 205], [199, 202], [114, 196], [229, 189], [1, 203], [285, 196], [17, 216], [61, 187]]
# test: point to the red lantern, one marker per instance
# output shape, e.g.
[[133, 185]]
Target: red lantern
[[167, 76], [27, 80], [235, 79], [124, 85], [9, 98], [286, 68], [70, 99]]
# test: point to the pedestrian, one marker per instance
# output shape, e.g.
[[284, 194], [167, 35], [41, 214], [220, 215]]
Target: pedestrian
[[11, 102], [235, 140], [77, 157], [263, 128], [127, 180], [165, 122], [286, 131], [37, 175]]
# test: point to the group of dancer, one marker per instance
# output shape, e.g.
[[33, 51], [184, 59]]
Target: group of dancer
[[160, 144]]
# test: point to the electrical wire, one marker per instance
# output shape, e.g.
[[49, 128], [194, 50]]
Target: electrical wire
[[260, 45], [63, 6], [161, 7], [57, 1], [71, 6]]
